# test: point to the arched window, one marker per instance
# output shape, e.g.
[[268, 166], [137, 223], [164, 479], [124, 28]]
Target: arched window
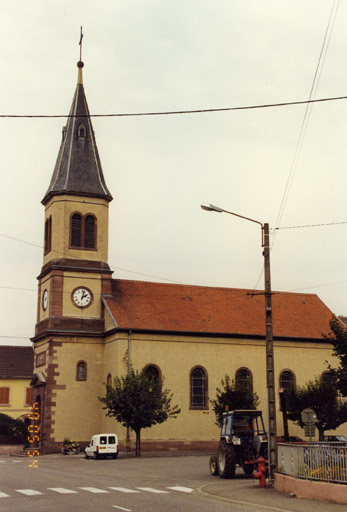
[[83, 231], [76, 230], [198, 388], [81, 131], [89, 232], [48, 234], [81, 370], [243, 379], [152, 372], [327, 378], [287, 381], [109, 380]]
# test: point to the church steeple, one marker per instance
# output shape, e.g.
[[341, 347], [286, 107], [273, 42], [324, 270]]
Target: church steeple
[[78, 168]]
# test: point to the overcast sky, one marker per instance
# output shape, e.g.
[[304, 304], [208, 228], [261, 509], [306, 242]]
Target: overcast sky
[[160, 55]]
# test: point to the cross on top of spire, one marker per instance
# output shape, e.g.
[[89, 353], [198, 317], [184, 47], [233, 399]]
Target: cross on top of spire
[[80, 44]]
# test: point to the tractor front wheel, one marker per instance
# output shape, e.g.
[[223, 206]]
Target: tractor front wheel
[[214, 466], [226, 460]]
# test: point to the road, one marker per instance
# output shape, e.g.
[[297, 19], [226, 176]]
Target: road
[[71, 483]]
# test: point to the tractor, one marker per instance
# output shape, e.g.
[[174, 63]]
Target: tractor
[[243, 440]]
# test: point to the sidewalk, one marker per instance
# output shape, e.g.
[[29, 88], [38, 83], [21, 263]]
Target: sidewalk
[[247, 491]]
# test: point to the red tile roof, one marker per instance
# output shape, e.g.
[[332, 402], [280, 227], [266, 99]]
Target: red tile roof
[[16, 362], [201, 309]]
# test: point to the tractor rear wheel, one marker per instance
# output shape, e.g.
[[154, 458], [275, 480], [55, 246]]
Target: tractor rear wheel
[[226, 460], [214, 466]]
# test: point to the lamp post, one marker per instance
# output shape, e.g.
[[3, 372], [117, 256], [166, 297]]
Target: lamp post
[[270, 377]]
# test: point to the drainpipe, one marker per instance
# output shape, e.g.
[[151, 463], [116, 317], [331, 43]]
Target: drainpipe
[[127, 442]]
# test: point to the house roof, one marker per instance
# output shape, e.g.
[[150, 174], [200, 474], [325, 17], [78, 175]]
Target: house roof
[[16, 362], [201, 309], [78, 168]]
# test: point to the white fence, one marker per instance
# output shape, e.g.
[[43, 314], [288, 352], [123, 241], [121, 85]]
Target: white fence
[[313, 461]]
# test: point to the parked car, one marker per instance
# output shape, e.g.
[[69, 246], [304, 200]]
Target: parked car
[[335, 439], [101, 446], [292, 439]]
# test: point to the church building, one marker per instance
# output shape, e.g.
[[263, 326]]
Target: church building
[[90, 325]]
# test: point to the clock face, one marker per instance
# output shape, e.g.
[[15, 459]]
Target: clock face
[[45, 300], [82, 297]]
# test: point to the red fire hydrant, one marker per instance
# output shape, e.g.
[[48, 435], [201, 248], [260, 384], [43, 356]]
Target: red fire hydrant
[[261, 473]]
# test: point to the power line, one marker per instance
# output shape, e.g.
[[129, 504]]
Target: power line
[[304, 124], [75, 257], [176, 112], [305, 120], [313, 225]]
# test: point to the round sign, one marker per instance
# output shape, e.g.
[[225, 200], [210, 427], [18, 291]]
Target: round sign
[[308, 416]]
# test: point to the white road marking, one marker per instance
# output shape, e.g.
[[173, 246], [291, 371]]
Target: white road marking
[[61, 490], [150, 489], [123, 489], [3, 495], [93, 489], [122, 508], [29, 492], [181, 489]]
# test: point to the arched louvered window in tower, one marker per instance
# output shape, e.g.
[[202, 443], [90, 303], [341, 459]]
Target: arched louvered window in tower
[[76, 230], [83, 231], [89, 232], [48, 234]]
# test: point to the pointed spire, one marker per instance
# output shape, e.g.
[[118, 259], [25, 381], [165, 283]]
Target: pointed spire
[[78, 168]]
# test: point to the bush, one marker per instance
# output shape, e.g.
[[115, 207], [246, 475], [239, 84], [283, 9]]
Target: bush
[[11, 427]]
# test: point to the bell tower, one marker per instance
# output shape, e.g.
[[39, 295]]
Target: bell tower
[[69, 332], [76, 229]]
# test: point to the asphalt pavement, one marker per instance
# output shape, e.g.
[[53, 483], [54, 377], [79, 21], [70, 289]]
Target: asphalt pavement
[[246, 491]]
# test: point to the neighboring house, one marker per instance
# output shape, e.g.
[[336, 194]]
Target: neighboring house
[[16, 371], [90, 326]]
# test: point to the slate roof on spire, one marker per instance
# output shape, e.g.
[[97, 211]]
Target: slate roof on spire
[[78, 168]]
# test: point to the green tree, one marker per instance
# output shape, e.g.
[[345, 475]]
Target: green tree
[[234, 396], [138, 402], [322, 397], [338, 338], [15, 428]]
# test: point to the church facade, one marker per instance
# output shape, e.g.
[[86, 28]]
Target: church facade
[[90, 326]]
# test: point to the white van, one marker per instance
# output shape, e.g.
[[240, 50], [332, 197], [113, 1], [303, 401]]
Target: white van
[[102, 445]]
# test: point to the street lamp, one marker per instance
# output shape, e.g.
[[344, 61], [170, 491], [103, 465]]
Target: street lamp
[[270, 377]]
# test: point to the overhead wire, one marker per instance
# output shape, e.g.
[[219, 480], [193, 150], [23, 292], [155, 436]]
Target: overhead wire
[[304, 123], [177, 112]]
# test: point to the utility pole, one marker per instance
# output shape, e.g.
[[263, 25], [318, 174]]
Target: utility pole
[[270, 367]]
